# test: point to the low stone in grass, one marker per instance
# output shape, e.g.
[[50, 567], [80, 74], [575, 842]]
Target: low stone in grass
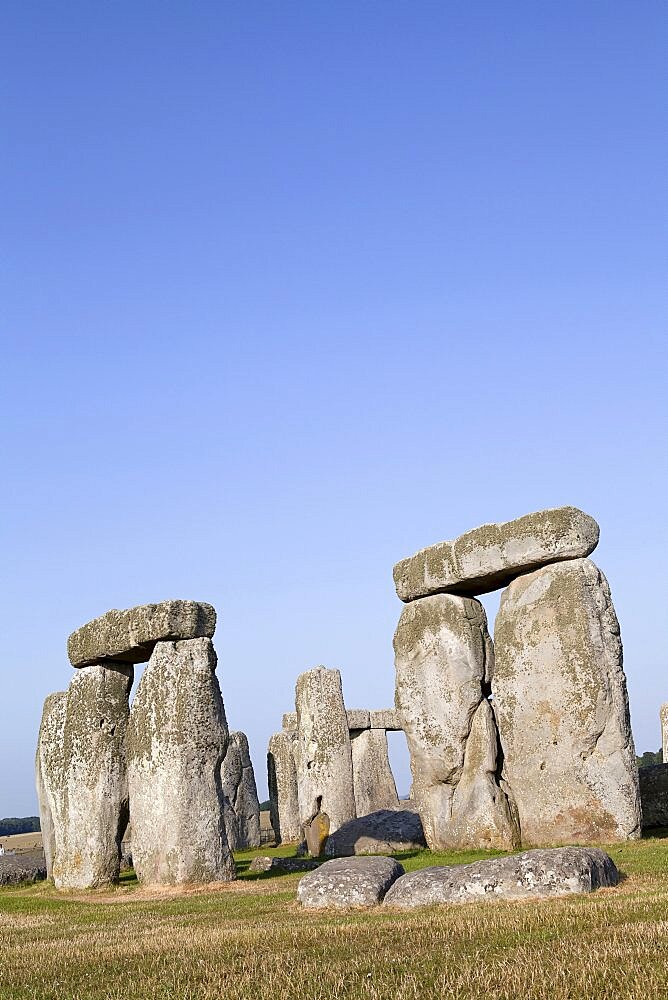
[[348, 882], [558, 871]]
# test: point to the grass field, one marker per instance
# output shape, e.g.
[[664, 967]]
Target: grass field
[[250, 939]]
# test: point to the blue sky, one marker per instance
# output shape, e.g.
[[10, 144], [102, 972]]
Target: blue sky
[[292, 290]]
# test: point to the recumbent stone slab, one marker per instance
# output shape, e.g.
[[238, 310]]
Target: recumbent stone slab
[[348, 882], [129, 636], [562, 708], [387, 831], [490, 556], [557, 872]]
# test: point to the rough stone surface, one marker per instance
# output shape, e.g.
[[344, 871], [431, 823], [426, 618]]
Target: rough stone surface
[[282, 865], [654, 795], [323, 753], [87, 788], [664, 731], [48, 769], [562, 709], [315, 834], [242, 806], [289, 722], [348, 882], [385, 718], [444, 660], [282, 781], [387, 831], [177, 739], [129, 636], [490, 556], [373, 781], [358, 718], [18, 868], [557, 872]]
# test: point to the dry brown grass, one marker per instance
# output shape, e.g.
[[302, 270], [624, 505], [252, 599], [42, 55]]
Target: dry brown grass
[[252, 940]]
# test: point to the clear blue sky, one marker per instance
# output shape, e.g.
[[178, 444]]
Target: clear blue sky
[[292, 290]]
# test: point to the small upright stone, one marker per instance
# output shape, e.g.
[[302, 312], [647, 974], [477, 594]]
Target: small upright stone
[[282, 780], [242, 807], [562, 708], [322, 749], [490, 556], [176, 743], [130, 636], [373, 780]]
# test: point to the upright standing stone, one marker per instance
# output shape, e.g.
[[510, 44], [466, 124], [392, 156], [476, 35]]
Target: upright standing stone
[[322, 749], [90, 804], [176, 743], [282, 780], [444, 661], [373, 780], [562, 708], [664, 731], [242, 806], [48, 770]]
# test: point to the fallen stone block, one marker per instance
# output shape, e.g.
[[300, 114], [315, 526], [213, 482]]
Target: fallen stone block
[[130, 636], [282, 865], [387, 831], [348, 882], [490, 556], [16, 869], [557, 872]]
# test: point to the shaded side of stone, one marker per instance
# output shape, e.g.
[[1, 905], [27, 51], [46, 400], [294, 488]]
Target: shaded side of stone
[[654, 795], [241, 803], [444, 659], [129, 636], [388, 831], [562, 708], [176, 743], [488, 557]]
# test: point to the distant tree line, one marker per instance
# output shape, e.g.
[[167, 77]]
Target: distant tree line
[[649, 758], [19, 824]]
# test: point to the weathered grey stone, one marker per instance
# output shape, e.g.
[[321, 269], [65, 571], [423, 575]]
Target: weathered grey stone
[[444, 659], [488, 557], [241, 804], [49, 769], [373, 781], [562, 709], [358, 718], [386, 718], [282, 865], [663, 715], [177, 739], [289, 722], [129, 636], [387, 831], [89, 796], [282, 780], [561, 871], [18, 868], [348, 882], [323, 753], [654, 795]]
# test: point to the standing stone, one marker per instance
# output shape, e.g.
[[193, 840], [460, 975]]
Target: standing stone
[[562, 708], [664, 731], [373, 780], [282, 780], [48, 770], [322, 749], [242, 806], [176, 743], [89, 806], [444, 660], [488, 557]]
